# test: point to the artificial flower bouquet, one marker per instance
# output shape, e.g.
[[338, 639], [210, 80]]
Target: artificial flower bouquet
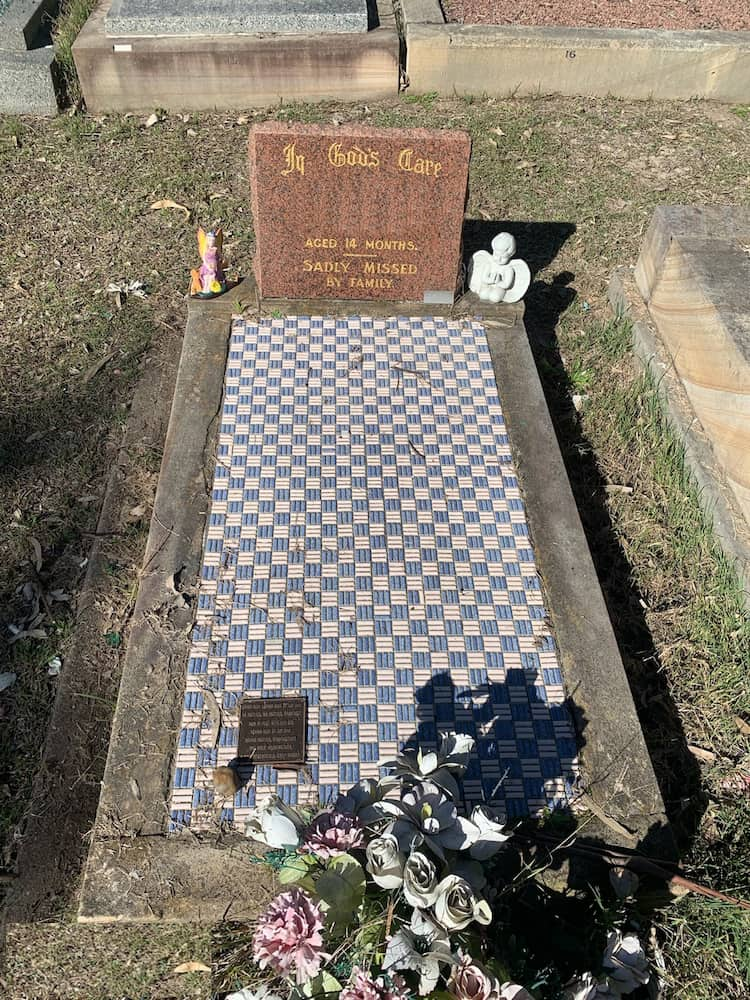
[[385, 894]]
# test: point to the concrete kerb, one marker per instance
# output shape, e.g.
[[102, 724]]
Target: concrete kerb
[[134, 871], [716, 496], [504, 60]]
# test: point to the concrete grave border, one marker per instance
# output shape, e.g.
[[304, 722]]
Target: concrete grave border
[[505, 60], [27, 84], [134, 871], [184, 73], [716, 496]]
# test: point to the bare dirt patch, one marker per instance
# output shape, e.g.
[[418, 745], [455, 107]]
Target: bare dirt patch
[[676, 15]]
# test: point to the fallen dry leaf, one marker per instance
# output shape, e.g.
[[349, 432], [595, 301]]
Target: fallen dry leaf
[[742, 725], [168, 203], [707, 756], [37, 553], [152, 120], [191, 967]]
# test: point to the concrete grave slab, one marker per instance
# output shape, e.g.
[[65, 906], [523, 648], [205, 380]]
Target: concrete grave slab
[[235, 17], [688, 298], [345, 211], [135, 871], [218, 71], [27, 57]]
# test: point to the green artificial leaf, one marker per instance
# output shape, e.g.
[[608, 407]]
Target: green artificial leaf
[[321, 986], [341, 889], [297, 868]]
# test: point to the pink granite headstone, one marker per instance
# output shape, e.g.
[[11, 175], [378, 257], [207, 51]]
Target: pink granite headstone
[[355, 212]]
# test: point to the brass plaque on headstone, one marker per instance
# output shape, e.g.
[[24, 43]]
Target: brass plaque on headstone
[[273, 730]]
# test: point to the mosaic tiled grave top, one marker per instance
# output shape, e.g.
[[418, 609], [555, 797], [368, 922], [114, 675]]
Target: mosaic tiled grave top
[[367, 548], [358, 213], [235, 17]]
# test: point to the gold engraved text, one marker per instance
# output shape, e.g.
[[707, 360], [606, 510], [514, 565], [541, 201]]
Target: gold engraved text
[[354, 157], [295, 162], [374, 267], [417, 164]]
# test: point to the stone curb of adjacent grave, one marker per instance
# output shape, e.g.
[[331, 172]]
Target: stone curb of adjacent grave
[[27, 58], [182, 73], [134, 871], [51, 855], [716, 496], [504, 60]]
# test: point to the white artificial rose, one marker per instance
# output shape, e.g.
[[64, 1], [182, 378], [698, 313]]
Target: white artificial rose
[[420, 881], [456, 905], [275, 824], [512, 991], [588, 988], [385, 862], [625, 963]]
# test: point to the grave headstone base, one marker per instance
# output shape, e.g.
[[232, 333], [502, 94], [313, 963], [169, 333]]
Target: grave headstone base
[[234, 71]]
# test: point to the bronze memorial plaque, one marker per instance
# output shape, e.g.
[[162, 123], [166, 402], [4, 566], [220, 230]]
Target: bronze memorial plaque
[[273, 730]]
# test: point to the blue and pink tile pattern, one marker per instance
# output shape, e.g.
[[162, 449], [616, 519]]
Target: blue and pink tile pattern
[[367, 547]]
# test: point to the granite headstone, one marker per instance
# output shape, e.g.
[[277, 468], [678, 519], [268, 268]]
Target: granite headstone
[[235, 17], [356, 212]]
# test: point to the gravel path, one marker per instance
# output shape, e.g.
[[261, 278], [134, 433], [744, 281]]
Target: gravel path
[[726, 15]]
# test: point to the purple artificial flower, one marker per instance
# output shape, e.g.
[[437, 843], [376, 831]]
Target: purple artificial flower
[[331, 834]]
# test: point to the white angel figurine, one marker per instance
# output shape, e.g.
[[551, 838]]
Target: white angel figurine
[[498, 276]]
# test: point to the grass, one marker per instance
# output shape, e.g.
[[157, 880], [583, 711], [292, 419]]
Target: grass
[[583, 178], [72, 17]]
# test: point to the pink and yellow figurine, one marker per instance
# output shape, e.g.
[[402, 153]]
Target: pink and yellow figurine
[[209, 279]]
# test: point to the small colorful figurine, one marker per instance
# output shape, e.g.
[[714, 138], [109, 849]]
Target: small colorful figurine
[[209, 280]]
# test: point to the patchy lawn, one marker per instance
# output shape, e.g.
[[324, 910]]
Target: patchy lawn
[[76, 199]]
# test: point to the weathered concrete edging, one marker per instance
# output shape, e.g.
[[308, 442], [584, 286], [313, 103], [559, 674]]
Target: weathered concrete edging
[[504, 60], [234, 71], [716, 496], [618, 777], [135, 872], [66, 788]]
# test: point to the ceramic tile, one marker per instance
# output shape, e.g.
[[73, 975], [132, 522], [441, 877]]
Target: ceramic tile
[[367, 547]]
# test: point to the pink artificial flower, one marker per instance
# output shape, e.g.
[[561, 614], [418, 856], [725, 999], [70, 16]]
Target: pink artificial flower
[[362, 986], [288, 936], [333, 833], [471, 981]]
